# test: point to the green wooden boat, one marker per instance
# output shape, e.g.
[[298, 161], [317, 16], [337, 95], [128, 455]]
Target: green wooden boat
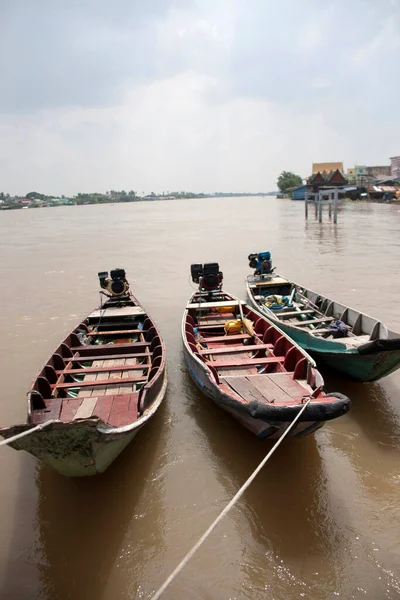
[[101, 385], [336, 335]]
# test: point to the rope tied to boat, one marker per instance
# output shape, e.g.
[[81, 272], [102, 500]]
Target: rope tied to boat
[[227, 508], [16, 437]]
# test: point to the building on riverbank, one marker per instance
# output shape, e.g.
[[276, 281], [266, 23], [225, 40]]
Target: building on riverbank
[[379, 172], [298, 193], [395, 167], [327, 167], [323, 178]]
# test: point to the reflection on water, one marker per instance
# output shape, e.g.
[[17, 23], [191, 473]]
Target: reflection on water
[[90, 527], [320, 521], [294, 532], [372, 409]]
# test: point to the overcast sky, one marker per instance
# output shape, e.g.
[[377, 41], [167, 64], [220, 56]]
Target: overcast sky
[[207, 95]]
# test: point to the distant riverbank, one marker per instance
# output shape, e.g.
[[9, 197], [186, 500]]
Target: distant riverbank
[[36, 200]]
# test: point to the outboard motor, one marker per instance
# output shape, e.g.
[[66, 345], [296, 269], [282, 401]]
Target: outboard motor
[[207, 276], [261, 262], [115, 284]]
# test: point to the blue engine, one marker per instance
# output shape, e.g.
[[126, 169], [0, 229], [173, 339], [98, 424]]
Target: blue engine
[[261, 262]]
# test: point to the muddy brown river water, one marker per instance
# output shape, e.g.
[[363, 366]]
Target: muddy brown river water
[[322, 521]]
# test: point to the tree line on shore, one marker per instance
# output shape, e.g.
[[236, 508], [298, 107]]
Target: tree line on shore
[[37, 199]]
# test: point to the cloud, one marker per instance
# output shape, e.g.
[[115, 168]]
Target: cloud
[[193, 95], [76, 53]]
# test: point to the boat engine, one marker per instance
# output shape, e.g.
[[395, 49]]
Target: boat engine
[[261, 262], [208, 276], [115, 284]]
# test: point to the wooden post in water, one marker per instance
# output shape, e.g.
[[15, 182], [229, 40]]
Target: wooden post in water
[[320, 207], [330, 204], [306, 204], [336, 197]]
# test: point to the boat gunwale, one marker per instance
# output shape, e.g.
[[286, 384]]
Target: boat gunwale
[[311, 364], [309, 358], [347, 349], [106, 429], [327, 405]]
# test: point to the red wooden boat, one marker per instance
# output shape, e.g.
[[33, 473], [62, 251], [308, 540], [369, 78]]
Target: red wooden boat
[[257, 374], [99, 387]]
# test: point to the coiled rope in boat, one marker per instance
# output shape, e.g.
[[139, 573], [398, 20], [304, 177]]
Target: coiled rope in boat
[[227, 508]]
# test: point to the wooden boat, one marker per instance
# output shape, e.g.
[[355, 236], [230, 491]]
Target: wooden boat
[[100, 386], [336, 335], [259, 375]]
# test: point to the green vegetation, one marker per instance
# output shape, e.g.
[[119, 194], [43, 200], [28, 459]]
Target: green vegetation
[[287, 179], [37, 200], [111, 196]]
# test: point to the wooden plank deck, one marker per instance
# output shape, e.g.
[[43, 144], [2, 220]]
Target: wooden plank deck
[[115, 410], [86, 408], [245, 388], [270, 389], [52, 411], [288, 385]]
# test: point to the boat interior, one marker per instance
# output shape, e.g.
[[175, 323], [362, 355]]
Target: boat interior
[[101, 369], [257, 362], [315, 313]]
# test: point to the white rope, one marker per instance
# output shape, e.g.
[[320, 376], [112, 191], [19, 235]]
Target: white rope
[[27, 432], [227, 508]]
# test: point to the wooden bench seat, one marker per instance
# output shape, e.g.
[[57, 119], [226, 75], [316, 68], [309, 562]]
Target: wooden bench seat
[[313, 321], [121, 332], [114, 310], [220, 303], [98, 382], [294, 313], [112, 347], [216, 316], [206, 327], [106, 357], [228, 349], [103, 369], [245, 362], [228, 338]]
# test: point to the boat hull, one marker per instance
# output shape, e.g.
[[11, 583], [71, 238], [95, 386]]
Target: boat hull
[[96, 391], [262, 428], [363, 367], [77, 452], [84, 448]]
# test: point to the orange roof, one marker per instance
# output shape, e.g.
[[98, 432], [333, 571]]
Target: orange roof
[[331, 166]]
